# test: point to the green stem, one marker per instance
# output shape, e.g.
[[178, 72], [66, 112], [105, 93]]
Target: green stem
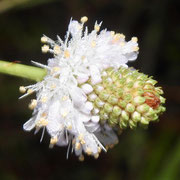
[[23, 71]]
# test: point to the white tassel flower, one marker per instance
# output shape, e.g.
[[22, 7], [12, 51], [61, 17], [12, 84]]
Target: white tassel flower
[[63, 104]]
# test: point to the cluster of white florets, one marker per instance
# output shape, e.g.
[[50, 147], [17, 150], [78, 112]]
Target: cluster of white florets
[[62, 106]]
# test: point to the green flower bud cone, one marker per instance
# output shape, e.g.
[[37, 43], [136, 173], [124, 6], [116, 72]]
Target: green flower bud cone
[[126, 98]]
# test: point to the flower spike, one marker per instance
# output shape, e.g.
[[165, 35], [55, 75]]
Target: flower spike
[[89, 92]]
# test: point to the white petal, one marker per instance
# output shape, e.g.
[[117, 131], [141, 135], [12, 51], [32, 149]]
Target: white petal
[[74, 27], [95, 119], [95, 75], [82, 78], [62, 140], [87, 88], [78, 96], [29, 125], [54, 125], [88, 106], [83, 118]]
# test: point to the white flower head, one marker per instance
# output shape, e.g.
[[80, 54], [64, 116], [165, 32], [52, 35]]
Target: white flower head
[[62, 105]]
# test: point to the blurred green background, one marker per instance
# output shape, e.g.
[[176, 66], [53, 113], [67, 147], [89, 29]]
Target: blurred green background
[[152, 154]]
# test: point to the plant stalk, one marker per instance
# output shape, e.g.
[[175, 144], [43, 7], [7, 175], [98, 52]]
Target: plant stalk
[[23, 71]]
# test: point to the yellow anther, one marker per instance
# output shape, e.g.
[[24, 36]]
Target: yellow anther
[[44, 114], [53, 140], [81, 139], [33, 104], [96, 27], [30, 91], [88, 151], [81, 158], [80, 136], [84, 19], [22, 89], [122, 36], [122, 43], [69, 127], [136, 48], [64, 113], [66, 54], [83, 57], [112, 33], [44, 39], [118, 36], [134, 39], [57, 49], [53, 86], [45, 48], [77, 146], [56, 69], [64, 98], [96, 155], [44, 99], [42, 122], [93, 43], [99, 150]]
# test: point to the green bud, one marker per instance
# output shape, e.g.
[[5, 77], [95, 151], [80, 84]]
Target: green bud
[[110, 71], [108, 108], [130, 108], [119, 92], [143, 108], [123, 124], [107, 81], [130, 78], [98, 89], [124, 115], [132, 124], [113, 119], [111, 87], [148, 86], [151, 81], [136, 116], [122, 104], [103, 115], [104, 95], [158, 110], [121, 81], [139, 84], [163, 109], [115, 76], [99, 103], [116, 111], [142, 77], [139, 100], [159, 90], [150, 113], [127, 97], [162, 99], [139, 92], [154, 117], [144, 121], [112, 99], [129, 85]]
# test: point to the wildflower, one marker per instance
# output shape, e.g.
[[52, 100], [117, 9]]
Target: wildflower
[[89, 91]]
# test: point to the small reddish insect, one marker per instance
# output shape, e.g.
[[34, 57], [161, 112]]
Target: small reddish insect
[[152, 100]]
